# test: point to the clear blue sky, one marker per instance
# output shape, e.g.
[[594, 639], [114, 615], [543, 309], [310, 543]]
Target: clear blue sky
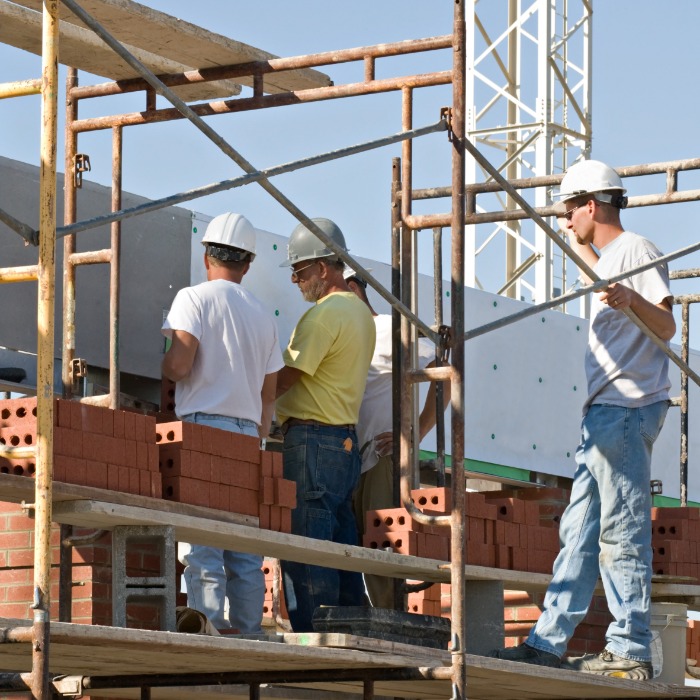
[[645, 106]]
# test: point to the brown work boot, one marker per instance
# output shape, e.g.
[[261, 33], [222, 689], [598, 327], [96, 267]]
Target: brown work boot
[[608, 664]]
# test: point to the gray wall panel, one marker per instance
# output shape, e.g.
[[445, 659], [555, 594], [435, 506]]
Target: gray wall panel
[[155, 265]]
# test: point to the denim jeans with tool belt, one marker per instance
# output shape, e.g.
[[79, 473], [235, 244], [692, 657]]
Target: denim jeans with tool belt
[[606, 529], [324, 462], [213, 575]]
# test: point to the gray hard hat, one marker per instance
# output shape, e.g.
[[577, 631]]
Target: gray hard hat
[[304, 245]]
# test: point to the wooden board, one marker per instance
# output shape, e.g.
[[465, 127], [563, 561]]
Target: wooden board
[[337, 640], [174, 39], [94, 650], [81, 49], [90, 507], [18, 489]]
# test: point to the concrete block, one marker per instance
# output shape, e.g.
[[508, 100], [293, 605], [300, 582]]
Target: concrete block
[[483, 603], [161, 588]]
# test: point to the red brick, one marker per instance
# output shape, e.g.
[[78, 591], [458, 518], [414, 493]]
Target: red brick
[[436, 500], [246, 448], [276, 518], [118, 423], [286, 520], [141, 455], [174, 461], [285, 493], [266, 463], [156, 485], [264, 517], [201, 465], [124, 479], [267, 491], [129, 452], [400, 541], [134, 480], [152, 457], [91, 418], [129, 425], [62, 417], [145, 483], [96, 475], [113, 477], [185, 490], [277, 464], [243, 501]]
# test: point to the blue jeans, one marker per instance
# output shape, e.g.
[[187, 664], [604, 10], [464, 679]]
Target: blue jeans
[[325, 464], [213, 575], [606, 529]]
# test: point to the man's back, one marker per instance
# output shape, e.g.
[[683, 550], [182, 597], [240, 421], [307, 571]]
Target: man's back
[[238, 346]]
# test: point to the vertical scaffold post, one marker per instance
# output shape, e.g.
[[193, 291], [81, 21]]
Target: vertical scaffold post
[[459, 668], [45, 351]]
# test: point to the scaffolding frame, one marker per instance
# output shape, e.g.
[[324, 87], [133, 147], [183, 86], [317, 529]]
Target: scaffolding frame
[[405, 226]]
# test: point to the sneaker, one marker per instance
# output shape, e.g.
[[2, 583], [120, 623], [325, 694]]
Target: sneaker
[[608, 664], [526, 654]]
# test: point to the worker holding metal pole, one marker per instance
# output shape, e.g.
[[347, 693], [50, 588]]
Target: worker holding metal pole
[[606, 529]]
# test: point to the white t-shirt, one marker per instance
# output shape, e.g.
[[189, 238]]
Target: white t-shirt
[[238, 346], [376, 410], [623, 366]]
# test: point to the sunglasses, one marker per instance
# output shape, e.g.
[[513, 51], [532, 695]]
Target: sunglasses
[[295, 273]]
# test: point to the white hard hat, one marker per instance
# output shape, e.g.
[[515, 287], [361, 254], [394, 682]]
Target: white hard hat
[[304, 245], [348, 272], [228, 231], [592, 177]]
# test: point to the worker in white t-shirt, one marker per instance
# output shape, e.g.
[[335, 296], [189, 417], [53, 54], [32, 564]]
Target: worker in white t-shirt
[[224, 357], [375, 431]]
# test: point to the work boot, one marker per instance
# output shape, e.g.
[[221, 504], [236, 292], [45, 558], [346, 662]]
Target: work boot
[[526, 654], [608, 664]]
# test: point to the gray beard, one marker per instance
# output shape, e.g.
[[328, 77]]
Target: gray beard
[[314, 291]]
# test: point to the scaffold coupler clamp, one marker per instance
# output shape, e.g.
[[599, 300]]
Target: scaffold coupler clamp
[[68, 686], [446, 114], [445, 334]]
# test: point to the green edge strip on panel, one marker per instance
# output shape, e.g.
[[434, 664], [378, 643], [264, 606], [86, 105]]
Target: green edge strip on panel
[[500, 470], [474, 465], [668, 502]]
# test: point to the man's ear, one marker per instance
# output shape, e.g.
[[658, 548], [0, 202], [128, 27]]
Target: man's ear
[[206, 260]]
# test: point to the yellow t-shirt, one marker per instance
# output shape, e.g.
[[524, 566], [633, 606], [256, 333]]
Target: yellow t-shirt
[[332, 345]]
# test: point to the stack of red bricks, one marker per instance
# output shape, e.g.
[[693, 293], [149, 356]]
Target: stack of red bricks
[[426, 602], [395, 529], [227, 471], [525, 538], [93, 446], [676, 541], [271, 571], [501, 531]]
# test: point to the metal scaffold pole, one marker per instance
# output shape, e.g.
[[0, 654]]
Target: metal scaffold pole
[[459, 622], [45, 352]]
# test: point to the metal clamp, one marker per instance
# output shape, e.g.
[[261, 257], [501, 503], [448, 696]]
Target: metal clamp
[[446, 114], [68, 686], [81, 164], [78, 372]]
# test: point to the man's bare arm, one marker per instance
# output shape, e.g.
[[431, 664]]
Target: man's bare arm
[[179, 359]]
